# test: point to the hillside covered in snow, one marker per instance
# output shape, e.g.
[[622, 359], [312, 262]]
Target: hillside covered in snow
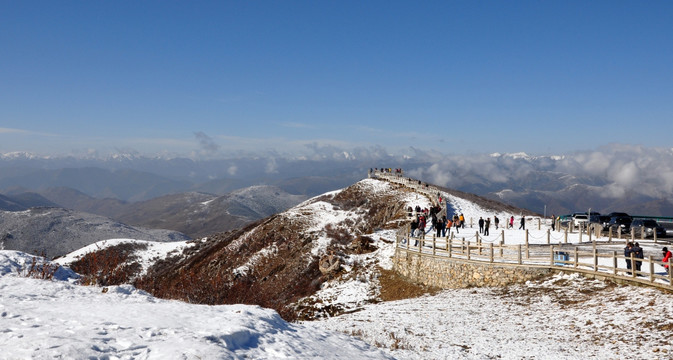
[[275, 264]]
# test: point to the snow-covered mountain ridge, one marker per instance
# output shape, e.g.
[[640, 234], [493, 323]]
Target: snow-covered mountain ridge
[[274, 262]]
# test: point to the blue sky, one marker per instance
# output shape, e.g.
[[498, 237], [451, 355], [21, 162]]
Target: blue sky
[[544, 77]]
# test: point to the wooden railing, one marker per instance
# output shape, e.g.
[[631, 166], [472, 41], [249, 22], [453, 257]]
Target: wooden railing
[[595, 258]]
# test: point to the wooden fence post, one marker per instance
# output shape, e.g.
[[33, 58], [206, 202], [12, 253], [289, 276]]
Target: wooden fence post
[[595, 260], [490, 251], [551, 255], [651, 268], [548, 236], [589, 232], [502, 232], [527, 254], [565, 236], [539, 223], [434, 245], [614, 262], [519, 254], [576, 254]]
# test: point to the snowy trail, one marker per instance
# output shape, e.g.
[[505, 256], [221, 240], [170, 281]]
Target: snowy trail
[[567, 317]]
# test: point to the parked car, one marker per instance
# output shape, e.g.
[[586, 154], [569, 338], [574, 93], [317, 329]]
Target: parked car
[[647, 227], [620, 222], [605, 221], [613, 214], [594, 217], [580, 219]]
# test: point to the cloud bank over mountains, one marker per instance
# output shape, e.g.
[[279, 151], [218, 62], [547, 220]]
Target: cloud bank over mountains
[[617, 171]]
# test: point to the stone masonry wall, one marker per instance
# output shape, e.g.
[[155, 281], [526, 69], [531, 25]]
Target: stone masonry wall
[[452, 273]]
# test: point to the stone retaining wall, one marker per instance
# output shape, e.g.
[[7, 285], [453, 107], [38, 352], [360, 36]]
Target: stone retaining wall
[[452, 273]]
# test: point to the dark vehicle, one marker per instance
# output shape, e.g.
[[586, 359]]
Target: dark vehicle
[[620, 222], [612, 214], [647, 228], [605, 221], [594, 217]]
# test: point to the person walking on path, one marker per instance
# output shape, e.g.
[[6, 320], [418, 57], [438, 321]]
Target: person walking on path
[[441, 226], [462, 221], [447, 225], [487, 224], [523, 223], [496, 221], [481, 225], [553, 222], [511, 222]]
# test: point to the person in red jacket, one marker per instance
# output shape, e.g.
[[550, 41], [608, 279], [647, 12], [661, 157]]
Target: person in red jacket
[[667, 257]]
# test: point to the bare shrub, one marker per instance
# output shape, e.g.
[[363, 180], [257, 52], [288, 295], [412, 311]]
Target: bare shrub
[[39, 269], [110, 266]]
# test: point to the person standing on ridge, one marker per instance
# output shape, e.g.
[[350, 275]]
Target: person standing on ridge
[[667, 257], [628, 249], [638, 253], [523, 223]]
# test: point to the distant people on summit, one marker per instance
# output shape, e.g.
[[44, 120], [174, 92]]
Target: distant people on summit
[[496, 221], [462, 221], [441, 230], [511, 222], [523, 223], [421, 226], [487, 225], [553, 222], [448, 223], [481, 225]]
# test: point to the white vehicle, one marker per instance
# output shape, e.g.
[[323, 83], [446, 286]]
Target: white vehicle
[[580, 219]]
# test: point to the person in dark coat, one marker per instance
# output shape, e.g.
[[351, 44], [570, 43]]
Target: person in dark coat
[[481, 225], [487, 225], [628, 249], [638, 253], [523, 223]]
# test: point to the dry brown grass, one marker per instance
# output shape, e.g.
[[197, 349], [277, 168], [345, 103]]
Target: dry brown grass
[[395, 287]]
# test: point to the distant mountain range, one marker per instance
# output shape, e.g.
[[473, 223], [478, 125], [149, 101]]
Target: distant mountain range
[[195, 214], [619, 177], [54, 231]]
